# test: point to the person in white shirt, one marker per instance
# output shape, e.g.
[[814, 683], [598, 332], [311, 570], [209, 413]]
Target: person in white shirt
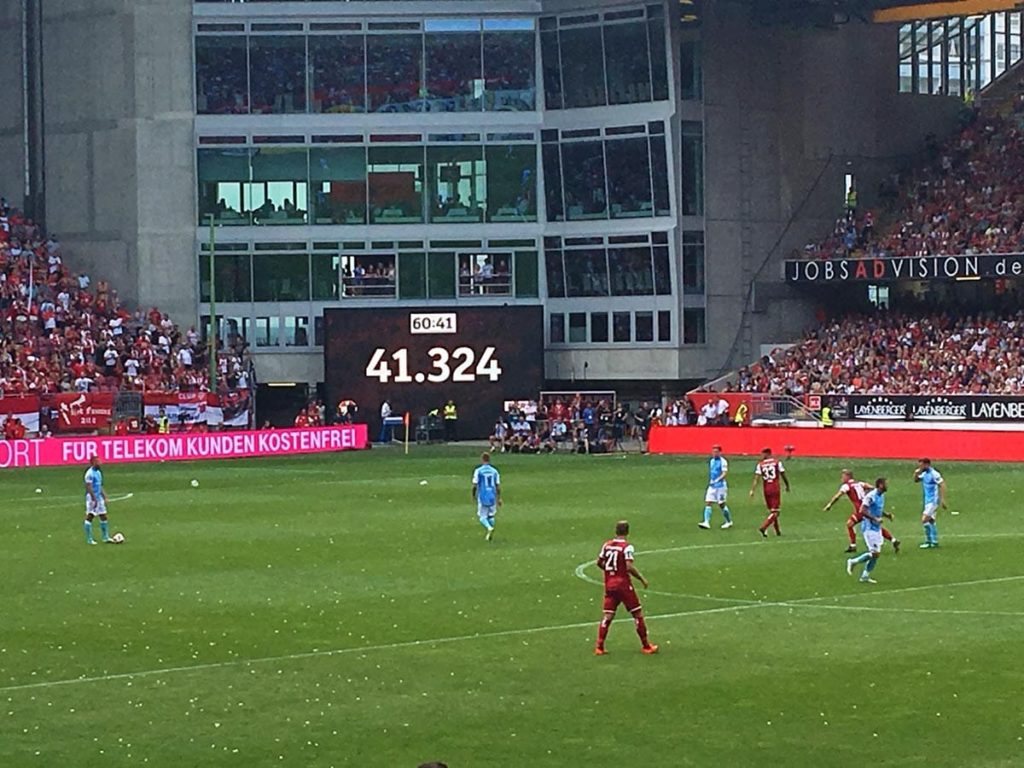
[[185, 357], [708, 414], [385, 428], [722, 411]]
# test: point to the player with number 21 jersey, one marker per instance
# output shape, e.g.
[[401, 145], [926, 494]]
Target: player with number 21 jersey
[[616, 562]]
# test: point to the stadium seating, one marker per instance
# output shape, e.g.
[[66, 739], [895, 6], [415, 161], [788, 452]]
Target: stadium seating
[[61, 333], [898, 353]]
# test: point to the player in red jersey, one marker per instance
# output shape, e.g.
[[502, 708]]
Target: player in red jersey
[[616, 560], [855, 491], [769, 471]]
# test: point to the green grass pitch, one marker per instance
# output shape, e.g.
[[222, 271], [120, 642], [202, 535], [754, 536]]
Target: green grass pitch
[[335, 611]]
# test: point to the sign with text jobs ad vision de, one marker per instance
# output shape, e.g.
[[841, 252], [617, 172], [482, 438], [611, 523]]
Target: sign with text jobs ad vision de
[[973, 267], [419, 358]]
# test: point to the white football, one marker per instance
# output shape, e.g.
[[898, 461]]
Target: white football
[[39, 490], [195, 483], [117, 538]]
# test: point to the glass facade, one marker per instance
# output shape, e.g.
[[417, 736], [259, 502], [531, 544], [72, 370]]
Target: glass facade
[[958, 56], [618, 176], [434, 65], [321, 152]]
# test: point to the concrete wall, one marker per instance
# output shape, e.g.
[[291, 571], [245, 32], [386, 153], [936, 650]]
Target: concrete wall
[[12, 135], [787, 113], [119, 138]]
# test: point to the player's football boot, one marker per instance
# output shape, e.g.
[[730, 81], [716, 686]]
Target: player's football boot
[[489, 536], [727, 524], [600, 652], [896, 546], [851, 548], [926, 545], [649, 649], [91, 541], [867, 581], [764, 533], [849, 566], [705, 526]]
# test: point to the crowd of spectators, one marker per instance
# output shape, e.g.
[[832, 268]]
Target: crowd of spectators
[[573, 422], [966, 198], [61, 332], [898, 353]]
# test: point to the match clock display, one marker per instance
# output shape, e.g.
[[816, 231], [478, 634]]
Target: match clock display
[[418, 359]]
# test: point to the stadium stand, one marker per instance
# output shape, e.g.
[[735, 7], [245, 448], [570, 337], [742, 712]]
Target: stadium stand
[[61, 333]]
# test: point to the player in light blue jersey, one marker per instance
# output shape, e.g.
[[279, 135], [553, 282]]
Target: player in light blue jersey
[[718, 488], [487, 493], [934, 488], [872, 511], [95, 501]]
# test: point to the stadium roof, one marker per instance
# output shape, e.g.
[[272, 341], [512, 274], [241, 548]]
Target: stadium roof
[[830, 12]]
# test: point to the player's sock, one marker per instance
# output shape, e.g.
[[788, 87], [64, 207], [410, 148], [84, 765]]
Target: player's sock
[[602, 632], [707, 515], [88, 530], [886, 535], [727, 514], [775, 524], [768, 522], [863, 558], [641, 630], [485, 524], [104, 529], [853, 535], [931, 533], [870, 566]]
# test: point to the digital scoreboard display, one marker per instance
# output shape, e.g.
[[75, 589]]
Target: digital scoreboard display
[[419, 358]]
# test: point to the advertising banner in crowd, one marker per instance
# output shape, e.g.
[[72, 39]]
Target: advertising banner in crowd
[[79, 411], [229, 410], [199, 446], [1005, 408], [889, 269], [22, 407]]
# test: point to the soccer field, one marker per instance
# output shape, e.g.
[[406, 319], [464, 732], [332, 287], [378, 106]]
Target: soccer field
[[337, 611]]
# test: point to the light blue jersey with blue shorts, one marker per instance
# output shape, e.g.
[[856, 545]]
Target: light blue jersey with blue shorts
[[486, 480]]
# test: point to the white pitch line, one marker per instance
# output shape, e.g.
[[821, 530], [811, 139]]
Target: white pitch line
[[894, 609], [122, 497], [479, 636]]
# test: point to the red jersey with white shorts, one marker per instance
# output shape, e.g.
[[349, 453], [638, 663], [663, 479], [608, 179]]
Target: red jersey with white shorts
[[614, 560], [770, 471], [855, 492]]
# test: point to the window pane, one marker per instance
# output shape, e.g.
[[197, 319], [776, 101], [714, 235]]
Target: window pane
[[485, 274], [622, 323], [368, 277], [693, 169], [325, 276], [394, 64], [221, 75], [551, 69], [659, 172], [280, 277], [582, 67], [555, 274], [599, 327], [527, 283], [662, 271], [690, 75], [296, 331], [693, 262], [577, 327], [511, 182], [630, 270], [233, 278], [457, 184], [586, 272], [223, 175], [553, 182], [625, 54], [277, 74], [454, 72], [318, 330], [266, 331], [645, 326], [441, 275], [664, 325], [583, 164], [659, 64], [509, 71], [693, 326], [396, 185], [412, 274], [337, 68], [280, 185], [629, 178], [338, 178], [556, 323]]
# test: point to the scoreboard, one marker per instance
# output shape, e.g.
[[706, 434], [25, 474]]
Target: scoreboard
[[419, 358]]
